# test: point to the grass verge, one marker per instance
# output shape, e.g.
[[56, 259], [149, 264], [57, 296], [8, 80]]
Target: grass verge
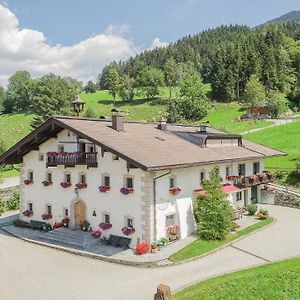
[[273, 281], [200, 246]]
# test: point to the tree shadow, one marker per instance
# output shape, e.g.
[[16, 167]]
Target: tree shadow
[[135, 102]]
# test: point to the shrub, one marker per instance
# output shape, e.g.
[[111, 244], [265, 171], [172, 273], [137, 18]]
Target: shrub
[[13, 202], [251, 209], [213, 211], [142, 248], [20, 223], [2, 207]]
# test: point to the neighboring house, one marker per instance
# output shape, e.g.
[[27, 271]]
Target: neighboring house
[[131, 174]]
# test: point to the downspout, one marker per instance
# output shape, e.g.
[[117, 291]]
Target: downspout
[[154, 202]]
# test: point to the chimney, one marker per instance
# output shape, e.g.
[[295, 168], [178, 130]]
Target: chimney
[[203, 127], [162, 125], [117, 120]]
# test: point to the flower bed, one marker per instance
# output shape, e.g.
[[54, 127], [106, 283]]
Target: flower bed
[[96, 233], [126, 191], [105, 226], [128, 231], [175, 191], [28, 181], [46, 216], [65, 184], [104, 188], [142, 248], [81, 186], [27, 213], [47, 183]]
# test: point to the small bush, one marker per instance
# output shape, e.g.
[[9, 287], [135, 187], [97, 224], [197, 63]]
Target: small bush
[[263, 211], [20, 223], [142, 248], [13, 202], [251, 209]]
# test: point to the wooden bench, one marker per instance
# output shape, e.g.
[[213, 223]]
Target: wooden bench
[[118, 241], [37, 224]]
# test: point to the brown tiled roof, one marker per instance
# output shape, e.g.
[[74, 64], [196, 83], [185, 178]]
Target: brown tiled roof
[[140, 144], [156, 149]]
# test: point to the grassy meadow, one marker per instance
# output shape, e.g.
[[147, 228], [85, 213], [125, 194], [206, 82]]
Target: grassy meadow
[[224, 116], [279, 280]]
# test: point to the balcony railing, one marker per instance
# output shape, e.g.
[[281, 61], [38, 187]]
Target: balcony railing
[[72, 159], [248, 181]]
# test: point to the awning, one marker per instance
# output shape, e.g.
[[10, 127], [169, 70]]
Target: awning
[[227, 188]]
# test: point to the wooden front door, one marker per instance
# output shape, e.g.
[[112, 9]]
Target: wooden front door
[[79, 213]]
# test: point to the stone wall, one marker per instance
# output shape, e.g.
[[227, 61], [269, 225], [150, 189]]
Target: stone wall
[[284, 199]]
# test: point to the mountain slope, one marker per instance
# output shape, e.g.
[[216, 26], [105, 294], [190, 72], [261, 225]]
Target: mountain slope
[[293, 16]]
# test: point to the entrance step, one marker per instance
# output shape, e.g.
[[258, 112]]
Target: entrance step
[[68, 237]]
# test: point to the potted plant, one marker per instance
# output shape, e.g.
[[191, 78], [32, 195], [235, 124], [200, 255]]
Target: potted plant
[[262, 214], [142, 248], [65, 222], [154, 248], [84, 225]]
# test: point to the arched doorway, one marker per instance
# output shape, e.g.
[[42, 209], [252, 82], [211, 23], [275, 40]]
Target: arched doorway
[[80, 213]]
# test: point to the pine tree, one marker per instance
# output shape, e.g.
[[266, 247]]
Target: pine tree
[[113, 81]]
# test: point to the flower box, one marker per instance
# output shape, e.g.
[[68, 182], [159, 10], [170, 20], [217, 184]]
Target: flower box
[[128, 231], [28, 181], [47, 183], [81, 186], [52, 154], [27, 213], [96, 233], [126, 191], [104, 188], [46, 216], [105, 226], [65, 184], [175, 191]]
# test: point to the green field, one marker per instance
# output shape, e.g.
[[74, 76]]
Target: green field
[[201, 246], [273, 281], [285, 138]]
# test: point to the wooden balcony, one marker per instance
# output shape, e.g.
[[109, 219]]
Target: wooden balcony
[[248, 181], [72, 159]]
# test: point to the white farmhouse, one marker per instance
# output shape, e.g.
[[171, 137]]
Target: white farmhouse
[[132, 175]]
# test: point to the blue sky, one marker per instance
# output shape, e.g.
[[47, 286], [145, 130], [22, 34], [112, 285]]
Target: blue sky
[[78, 38], [70, 21]]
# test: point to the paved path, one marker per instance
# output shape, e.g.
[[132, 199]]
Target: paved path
[[9, 182], [34, 272]]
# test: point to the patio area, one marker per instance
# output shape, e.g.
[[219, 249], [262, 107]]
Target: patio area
[[78, 241]]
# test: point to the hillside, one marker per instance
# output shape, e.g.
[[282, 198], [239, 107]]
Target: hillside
[[293, 16]]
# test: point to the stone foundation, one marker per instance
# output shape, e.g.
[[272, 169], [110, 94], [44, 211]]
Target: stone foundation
[[284, 199]]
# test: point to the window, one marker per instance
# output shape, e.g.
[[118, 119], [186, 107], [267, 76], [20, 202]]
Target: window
[[202, 176], [227, 171], [115, 157], [30, 207], [61, 148], [172, 182], [238, 196], [68, 177], [66, 212], [49, 209], [170, 220], [41, 157], [107, 218], [129, 222], [129, 182], [106, 180], [82, 178], [256, 168], [49, 177], [242, 170], [30, 175]]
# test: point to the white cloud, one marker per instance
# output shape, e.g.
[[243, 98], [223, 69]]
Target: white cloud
[[157, 43], [26, 49]]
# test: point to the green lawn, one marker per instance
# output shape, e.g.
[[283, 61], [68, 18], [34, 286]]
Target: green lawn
[[273, 281], [200, 246], [285, 138]]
